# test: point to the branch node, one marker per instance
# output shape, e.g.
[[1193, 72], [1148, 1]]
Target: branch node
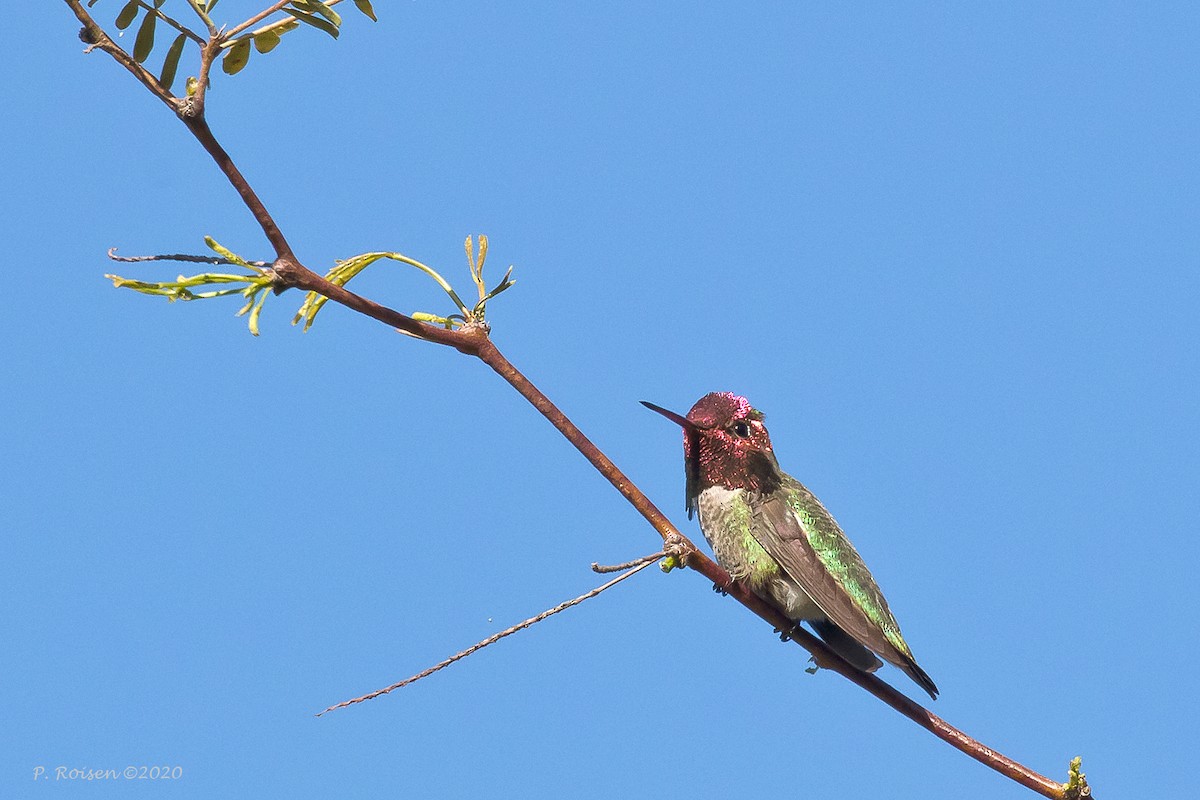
[[677, 550], [284, 273], [477, 327]]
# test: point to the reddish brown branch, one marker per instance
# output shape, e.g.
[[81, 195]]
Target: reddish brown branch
[[97, 39], [828, 659], [198, 125], [490, 355], [473, 340], [466, 339], [696, 560]]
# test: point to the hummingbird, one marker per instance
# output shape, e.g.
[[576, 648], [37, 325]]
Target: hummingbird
[[770, 532]]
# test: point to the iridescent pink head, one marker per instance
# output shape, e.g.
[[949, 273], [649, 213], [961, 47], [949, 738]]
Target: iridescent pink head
[[725, 443]]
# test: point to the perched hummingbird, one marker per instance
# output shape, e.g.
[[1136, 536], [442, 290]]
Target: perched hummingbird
[[767, 530]]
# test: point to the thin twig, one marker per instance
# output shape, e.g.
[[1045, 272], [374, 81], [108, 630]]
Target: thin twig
[[191, 259], [645, 562], [236, 29], [199, 128], [195, 37], [229, 36], [286, 21], [204, 17], [602, 569]]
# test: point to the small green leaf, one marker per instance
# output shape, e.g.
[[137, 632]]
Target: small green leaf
[[208, 8], [365, 7], [145, 38], [225, 252], [191, 85], [320, 8], [266, 41], [92, 3], [128, 14], [256, 312], [237, 57], [171, 62], [316, 22]]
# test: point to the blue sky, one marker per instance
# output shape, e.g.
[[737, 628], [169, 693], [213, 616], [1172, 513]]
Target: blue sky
[[949, 249]]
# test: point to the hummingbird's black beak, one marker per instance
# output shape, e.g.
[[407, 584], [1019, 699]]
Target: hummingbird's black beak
[[691, 448], [681, 421]]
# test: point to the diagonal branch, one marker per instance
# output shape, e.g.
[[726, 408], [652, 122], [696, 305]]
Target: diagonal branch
[[259, 17], [96, 38], [696, 560], [186, 31], [473, 340], [198, 125]]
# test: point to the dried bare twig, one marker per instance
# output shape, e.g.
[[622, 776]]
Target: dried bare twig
[[640, 563], [184, 257]]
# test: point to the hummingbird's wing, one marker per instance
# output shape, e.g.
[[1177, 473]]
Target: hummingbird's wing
[[796, 530]]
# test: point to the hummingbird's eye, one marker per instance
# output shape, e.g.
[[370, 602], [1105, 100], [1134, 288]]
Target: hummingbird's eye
[[740, 430]]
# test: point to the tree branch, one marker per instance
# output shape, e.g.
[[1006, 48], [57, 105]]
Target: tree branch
[[188, 32], [473, 340], [204, 17], [96, 38], [279, 6], [698, 561], [198, 125], [236, 29]]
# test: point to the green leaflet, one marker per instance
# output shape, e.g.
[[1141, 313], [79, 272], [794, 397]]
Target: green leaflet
[[171, 62], [365, 7], [315, 6], [128, 14], [266, 41], [316, 22], [236, 58], [145, 38]]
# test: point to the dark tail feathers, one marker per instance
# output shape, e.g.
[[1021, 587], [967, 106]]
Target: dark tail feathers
[[861, 657]]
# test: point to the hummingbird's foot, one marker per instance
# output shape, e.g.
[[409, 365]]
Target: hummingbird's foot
[[719, 589], [786, 636]]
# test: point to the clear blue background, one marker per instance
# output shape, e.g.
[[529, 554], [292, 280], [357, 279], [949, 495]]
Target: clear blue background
[[950, 249]]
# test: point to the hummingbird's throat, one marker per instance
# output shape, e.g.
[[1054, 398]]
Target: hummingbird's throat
[[728, 463]]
